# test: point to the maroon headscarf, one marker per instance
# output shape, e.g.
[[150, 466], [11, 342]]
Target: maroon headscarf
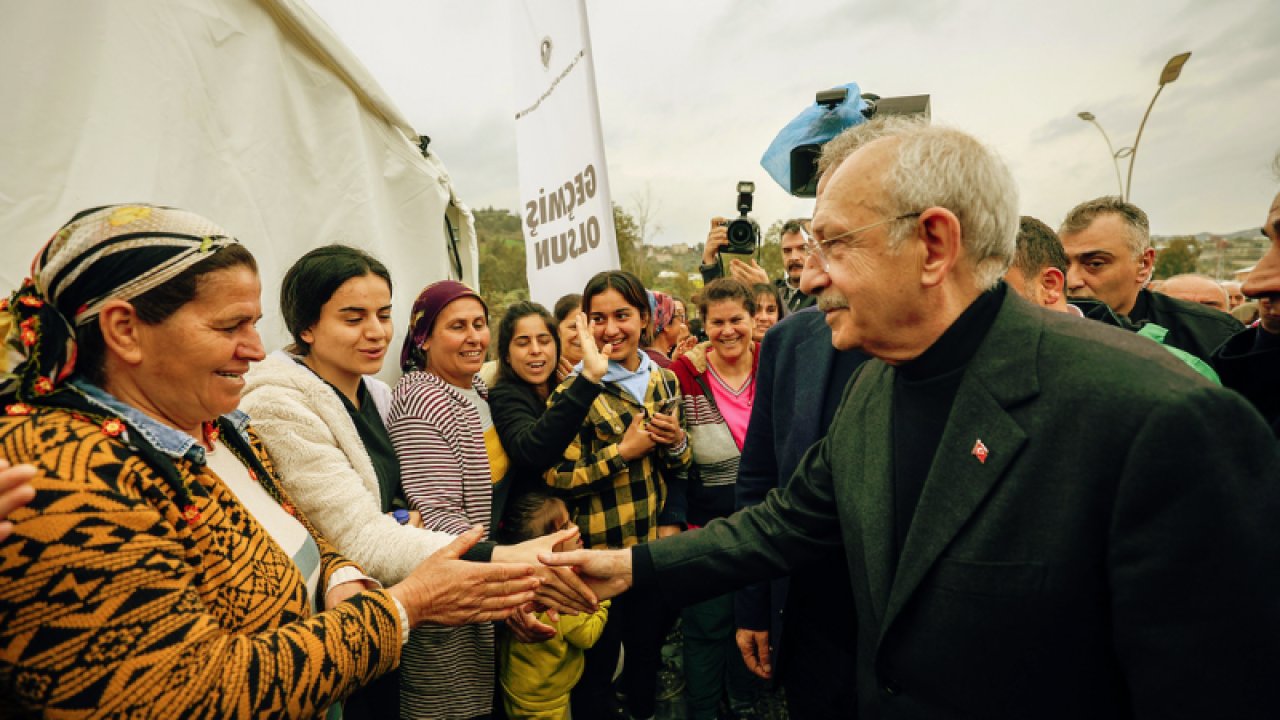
[[422, 319]]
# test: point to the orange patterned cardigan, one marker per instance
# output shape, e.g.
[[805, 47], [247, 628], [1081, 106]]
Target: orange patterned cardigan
[[113, 604]]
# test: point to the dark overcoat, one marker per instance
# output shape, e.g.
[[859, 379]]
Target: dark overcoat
[[1111, 554]]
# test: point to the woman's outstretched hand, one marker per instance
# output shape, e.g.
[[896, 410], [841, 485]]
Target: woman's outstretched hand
[[446, 590], [561, 589], [15, 491]]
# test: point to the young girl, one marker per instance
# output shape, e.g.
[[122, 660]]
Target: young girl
[[623, 475], [536, 677]]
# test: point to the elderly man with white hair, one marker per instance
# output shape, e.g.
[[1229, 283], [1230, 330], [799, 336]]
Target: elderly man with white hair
[[1042, 517]]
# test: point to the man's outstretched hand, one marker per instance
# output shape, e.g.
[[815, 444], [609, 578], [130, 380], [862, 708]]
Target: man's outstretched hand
[[606, 572]]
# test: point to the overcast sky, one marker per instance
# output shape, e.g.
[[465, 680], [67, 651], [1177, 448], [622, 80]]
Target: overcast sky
[[691, 93]]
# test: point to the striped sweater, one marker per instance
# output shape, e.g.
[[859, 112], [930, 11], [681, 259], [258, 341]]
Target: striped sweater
[[714, 474], [436, 431], [115, 601]]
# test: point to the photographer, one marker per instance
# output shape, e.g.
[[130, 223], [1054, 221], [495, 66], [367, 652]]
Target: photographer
[[750, 272]]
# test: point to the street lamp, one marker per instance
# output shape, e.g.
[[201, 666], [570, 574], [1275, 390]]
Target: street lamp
[[1171, 71], [1115, 157]]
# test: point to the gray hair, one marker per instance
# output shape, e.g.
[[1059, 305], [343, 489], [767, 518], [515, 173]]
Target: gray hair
[[944, 167], [1135, 220], [843, 145]]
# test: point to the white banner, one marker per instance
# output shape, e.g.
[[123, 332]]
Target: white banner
[[565, 211]]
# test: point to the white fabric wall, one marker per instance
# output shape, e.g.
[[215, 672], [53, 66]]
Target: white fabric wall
[[249, 112]]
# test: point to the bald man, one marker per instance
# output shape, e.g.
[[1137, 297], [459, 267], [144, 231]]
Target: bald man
[[1197, 288], [1235, 297]]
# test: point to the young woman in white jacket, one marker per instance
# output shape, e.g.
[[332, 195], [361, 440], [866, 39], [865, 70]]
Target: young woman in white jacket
[[320, 413]]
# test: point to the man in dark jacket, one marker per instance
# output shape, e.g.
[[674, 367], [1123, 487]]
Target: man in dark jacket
[[1041, 517], [1250, 361], [784, 628], [1108, 242]]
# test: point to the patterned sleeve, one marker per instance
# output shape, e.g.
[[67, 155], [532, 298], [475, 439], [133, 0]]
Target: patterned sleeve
[[430, 469], [585, 464], [111, 605]]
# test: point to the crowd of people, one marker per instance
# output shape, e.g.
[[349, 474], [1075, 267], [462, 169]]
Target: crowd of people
[[953, 464]]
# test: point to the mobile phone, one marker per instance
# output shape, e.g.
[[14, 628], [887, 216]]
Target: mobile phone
[[669, 405]]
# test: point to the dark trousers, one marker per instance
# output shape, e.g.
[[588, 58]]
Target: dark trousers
[[817, 664], [638, 623], [713, 665]]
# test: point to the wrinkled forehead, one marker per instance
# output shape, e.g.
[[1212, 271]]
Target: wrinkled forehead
[[858, 181], [792, 239]]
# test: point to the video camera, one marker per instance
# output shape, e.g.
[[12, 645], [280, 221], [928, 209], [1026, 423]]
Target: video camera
[[792, 157]]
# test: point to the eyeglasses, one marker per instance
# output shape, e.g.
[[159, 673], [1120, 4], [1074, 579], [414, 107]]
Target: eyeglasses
[[822, 249]]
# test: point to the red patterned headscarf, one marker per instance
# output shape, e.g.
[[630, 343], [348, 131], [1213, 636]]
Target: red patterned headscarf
[[663, 309]]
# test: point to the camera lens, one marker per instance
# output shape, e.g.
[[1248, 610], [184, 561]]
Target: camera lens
[[742, 236]]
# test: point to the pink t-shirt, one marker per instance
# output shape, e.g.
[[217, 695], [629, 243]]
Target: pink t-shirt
[[735, 406]]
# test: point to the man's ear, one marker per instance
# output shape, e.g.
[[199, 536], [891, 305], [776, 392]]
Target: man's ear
[[939, 231], [1146, 264], [120, 327], [1052, 285]]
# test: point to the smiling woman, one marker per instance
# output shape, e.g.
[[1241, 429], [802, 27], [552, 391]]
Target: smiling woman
[[453, 467], [156, 501], [718, 388], [533, 433], [319, 411], [624, 476]]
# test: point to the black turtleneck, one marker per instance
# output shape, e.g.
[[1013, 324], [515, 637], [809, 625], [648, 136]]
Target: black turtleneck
[[923, 391]]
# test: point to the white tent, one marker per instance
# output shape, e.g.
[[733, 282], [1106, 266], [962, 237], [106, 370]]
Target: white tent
[[250, 112]]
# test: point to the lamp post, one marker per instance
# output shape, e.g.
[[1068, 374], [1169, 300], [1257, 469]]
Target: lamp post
[[1171, 71], [1115, 157]]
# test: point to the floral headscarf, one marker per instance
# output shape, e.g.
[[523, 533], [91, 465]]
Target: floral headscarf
[[106, 253], [663, 308]]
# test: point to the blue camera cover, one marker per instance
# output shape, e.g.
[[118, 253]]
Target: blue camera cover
[[815, 125]]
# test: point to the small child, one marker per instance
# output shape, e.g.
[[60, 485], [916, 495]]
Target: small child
[[536, 677]]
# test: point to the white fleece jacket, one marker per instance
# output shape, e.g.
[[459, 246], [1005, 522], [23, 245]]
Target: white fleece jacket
[[326, 470]]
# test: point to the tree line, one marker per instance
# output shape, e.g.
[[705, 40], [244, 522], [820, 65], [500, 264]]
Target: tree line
[[503, 279]]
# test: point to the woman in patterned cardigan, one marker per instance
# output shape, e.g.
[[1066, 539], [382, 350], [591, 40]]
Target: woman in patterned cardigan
[[160, 570]]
